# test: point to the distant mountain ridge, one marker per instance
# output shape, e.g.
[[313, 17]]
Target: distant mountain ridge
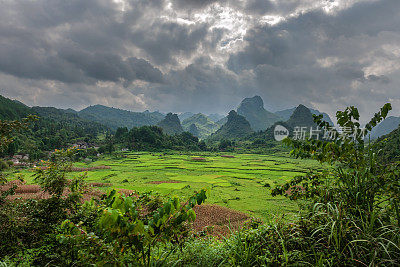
[[389, 146], [183, 116], [236, 127], [114, 118], [285, 114], [215, 117], [255, 113], [12, 109], [15, 110], [171, 124], [252, 109], [301, 117], [55, 128], [385, 127], [204, 125]]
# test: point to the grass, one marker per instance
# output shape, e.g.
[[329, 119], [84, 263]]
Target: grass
[[241, 183]]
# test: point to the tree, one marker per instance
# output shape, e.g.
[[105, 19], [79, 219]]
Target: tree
[[357, 180]]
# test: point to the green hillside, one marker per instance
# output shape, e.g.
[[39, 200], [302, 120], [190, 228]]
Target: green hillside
[[388, 146], [285, 114], [55, 128], [204, 125], [301, 117], [114, 118], [236, 127], [385, 127], [171, 124], [253, 110], [12, 110]]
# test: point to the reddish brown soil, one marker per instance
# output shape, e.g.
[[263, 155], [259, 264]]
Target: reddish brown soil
[[198, 159], [227, 156], [299, 188], [79, 169], [165, 182], [24, 191], [217, 220], [100, 184], [212, 219]]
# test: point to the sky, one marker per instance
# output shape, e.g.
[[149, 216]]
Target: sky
[[201, 55]]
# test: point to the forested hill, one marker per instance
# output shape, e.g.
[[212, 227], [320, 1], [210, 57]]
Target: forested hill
[[205, 126], [301, 117], [385, 127], [285, 114], [114, 118], [236, 127], [55, 128], [12, 110], [388, 146], [171, 124], [255, 113]]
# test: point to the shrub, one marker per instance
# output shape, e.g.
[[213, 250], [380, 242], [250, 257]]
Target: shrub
[[354, 207], [3, 165], [128, 229]]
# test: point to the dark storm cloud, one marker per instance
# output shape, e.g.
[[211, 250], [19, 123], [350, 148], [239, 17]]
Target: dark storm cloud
[[323, 58], [86, 41], [259, 7], [111, 67], [188, 4], [169, 39], [197, 84], [200, 55], [75, 66], [301, 39]]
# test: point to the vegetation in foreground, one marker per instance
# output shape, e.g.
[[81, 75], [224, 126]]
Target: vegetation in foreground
[[351, 218]]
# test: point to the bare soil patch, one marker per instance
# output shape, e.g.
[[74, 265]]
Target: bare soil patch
[[212, 219], [100, 184], [80, 169], [199, 159], [217, 220], [165, 182]]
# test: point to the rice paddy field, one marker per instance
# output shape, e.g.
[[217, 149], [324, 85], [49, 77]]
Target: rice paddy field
[[238, 181]]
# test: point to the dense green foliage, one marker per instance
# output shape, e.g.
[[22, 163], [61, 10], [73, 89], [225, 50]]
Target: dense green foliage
[[355, 207], [350, 211], [54, 128], [388, 147], [12, 110], [154, 138], [117, 229]]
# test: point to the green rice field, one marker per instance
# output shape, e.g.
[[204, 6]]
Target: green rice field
[[243, 182]]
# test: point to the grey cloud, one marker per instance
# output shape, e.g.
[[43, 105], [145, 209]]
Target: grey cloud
[[378, 78], [54, 51], [111, 67], [188, 4], [170, 39], [74, 66], [260, 7], [350, 73]]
